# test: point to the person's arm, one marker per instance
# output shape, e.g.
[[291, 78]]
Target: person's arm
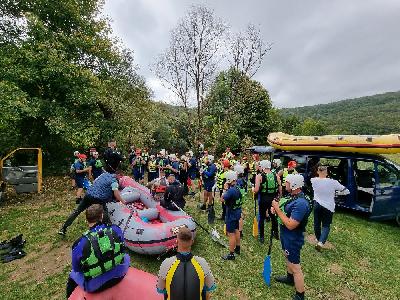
[[209, 172], [341, 189], [288, 222], [298, 213], [278, 179], [117, 194], [76, 254], [162, 276], [257, 183], [173, 168]]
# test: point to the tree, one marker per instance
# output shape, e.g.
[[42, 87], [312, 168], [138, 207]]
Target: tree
[[247, 50], [193, 52], [310, 127], [246, 114], [71, 85]]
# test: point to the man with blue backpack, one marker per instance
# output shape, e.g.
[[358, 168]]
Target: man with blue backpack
[[99, 258]]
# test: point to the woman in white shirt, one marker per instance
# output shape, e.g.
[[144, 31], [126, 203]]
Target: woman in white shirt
[[324, 195]]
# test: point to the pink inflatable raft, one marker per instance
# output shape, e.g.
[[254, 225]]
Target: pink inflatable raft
[[148, 227], [137, 285]]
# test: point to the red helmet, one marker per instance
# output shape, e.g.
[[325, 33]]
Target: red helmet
[[226, 163], [82, 156], [292, 164]]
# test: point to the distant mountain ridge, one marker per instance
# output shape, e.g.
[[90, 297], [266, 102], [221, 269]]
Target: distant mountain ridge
[[377, 114]]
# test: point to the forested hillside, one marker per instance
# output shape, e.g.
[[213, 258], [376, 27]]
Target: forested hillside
[[378, 114]]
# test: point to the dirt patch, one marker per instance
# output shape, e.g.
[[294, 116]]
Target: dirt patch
[[348, 294], [311, 239], [336, 269], [36, 267], [364, 263]]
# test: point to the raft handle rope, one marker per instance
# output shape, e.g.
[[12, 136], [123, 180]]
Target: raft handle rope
[[133, 210]]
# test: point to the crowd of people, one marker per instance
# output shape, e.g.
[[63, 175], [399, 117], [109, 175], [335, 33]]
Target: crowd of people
[[278, 191]]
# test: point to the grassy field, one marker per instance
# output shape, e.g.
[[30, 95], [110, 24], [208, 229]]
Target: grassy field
[[362, 262]]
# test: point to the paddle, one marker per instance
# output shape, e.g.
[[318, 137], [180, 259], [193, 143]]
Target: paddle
[[255, 223], [267, 271], [213, 234], [211, 213]]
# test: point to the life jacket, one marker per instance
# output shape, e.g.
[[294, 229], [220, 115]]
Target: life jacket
[[269, 183], [138, 162], [239, 201], [221, 180], [152, 166], [163, 186], [286, 173], [253, 168], [145, 156], [103, 251], [98, 164], [286, 200], [185, 279]]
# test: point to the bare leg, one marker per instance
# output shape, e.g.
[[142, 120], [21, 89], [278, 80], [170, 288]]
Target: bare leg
[[298, 277], [237, 238], [79, 193], [232, 240]]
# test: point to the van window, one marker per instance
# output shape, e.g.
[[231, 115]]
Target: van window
[[388, 177], [337, 168], [364, 173], [301, 162]]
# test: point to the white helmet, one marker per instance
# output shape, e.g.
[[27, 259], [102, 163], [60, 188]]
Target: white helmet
[[296, 181], [210, 158], [239, 169], [265, 164], [277, 161], [230, 176], [76, 153]]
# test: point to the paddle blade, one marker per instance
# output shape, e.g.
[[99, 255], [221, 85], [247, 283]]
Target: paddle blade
[[267, 270], [255, 227], [211, 215]]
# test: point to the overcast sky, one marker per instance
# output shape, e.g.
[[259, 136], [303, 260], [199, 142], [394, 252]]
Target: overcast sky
[[323, 51]]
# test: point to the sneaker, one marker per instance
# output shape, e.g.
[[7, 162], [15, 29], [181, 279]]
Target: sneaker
[[297, 297], [319, 246], [229, 256], [289, 280], [203, 207], [62, 232], [261, 239], [237, 250]]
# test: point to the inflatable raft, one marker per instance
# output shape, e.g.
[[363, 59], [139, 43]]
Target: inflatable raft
[[136, 284], [148, 227], [374, 144]]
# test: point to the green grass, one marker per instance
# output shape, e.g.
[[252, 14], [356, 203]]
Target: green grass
[[363, 264]]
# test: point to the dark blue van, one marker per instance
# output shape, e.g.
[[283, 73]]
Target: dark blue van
[[373, 181]]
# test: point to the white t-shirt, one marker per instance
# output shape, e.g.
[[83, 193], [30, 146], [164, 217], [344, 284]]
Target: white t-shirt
[[324, 191]]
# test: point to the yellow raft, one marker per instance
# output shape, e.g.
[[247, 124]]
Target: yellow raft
[[376, 144]]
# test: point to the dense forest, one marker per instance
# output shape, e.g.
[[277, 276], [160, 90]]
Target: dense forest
[[377, 114]]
